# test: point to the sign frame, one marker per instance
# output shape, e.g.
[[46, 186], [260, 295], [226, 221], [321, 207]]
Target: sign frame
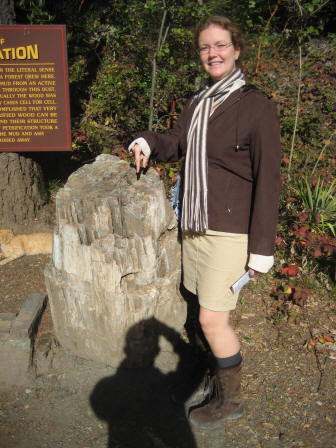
[[34, 89]]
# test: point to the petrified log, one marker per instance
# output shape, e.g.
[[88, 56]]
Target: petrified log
[[116, 263]]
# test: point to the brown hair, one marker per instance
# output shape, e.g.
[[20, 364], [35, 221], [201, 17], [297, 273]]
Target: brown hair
[[225, 23]]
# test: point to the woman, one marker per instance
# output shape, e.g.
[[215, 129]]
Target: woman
[[229, 134]]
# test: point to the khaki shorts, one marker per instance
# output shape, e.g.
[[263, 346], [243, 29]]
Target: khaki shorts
[[212, 262]]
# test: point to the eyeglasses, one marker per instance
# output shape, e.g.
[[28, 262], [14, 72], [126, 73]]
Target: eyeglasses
[[217, 47]]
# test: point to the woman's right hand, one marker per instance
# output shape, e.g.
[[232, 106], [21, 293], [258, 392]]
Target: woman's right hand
[[140, 159]]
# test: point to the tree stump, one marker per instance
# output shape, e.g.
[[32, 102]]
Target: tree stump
[[7, 13], [115, 264], [22, 190]]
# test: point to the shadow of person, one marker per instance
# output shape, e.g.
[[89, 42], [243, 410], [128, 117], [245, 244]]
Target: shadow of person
[[192, 325], [136, 403]]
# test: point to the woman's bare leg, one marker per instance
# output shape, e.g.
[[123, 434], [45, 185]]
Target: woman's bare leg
[[226, 402], [219, 333]]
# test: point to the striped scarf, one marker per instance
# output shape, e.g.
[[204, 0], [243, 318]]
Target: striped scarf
[[194, 207]]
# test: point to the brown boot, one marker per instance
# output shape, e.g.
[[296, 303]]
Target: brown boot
[[192, 393], [224, 401], [196, 386]]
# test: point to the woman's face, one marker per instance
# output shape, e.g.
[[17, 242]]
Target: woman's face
[[217, 58]]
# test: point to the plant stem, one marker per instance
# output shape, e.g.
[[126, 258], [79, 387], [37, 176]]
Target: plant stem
[[260, 41], [321, 6], [297, 112], [299, 6], [322, 151], [159, 45], [297, 99]]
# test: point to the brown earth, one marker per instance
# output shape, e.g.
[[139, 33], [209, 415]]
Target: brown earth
[[289, 383], [20, 278]]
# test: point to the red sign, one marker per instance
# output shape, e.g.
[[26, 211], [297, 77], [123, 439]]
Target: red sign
[[34, 93]]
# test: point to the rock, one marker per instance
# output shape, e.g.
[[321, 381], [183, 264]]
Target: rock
[[44, 351], [22, 190], [16, 342], [16, 359], [30, 313], [115, 263]]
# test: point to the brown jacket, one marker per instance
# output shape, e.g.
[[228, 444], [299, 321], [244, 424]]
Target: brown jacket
[[243, 146]]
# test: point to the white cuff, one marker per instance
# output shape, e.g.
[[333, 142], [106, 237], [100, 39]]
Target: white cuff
[[261, 263], [143, 145]]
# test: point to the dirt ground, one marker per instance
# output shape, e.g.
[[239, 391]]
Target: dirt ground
[[289, 383]]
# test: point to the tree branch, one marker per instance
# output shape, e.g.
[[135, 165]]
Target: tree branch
[[297, 112], [260, 40], [158, 48]]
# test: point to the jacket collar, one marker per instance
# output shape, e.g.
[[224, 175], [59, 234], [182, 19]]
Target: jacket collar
[[231, 100]]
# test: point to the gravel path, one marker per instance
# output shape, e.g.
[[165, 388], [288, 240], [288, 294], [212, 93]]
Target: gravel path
[[289, 389]]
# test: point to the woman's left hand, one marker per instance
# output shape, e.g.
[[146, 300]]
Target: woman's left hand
[[252, 272], [140, 158]]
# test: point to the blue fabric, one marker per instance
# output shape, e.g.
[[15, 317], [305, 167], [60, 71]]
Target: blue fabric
[[176, 197]]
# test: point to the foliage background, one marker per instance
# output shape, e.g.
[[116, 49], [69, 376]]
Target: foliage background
[[290, 56]]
